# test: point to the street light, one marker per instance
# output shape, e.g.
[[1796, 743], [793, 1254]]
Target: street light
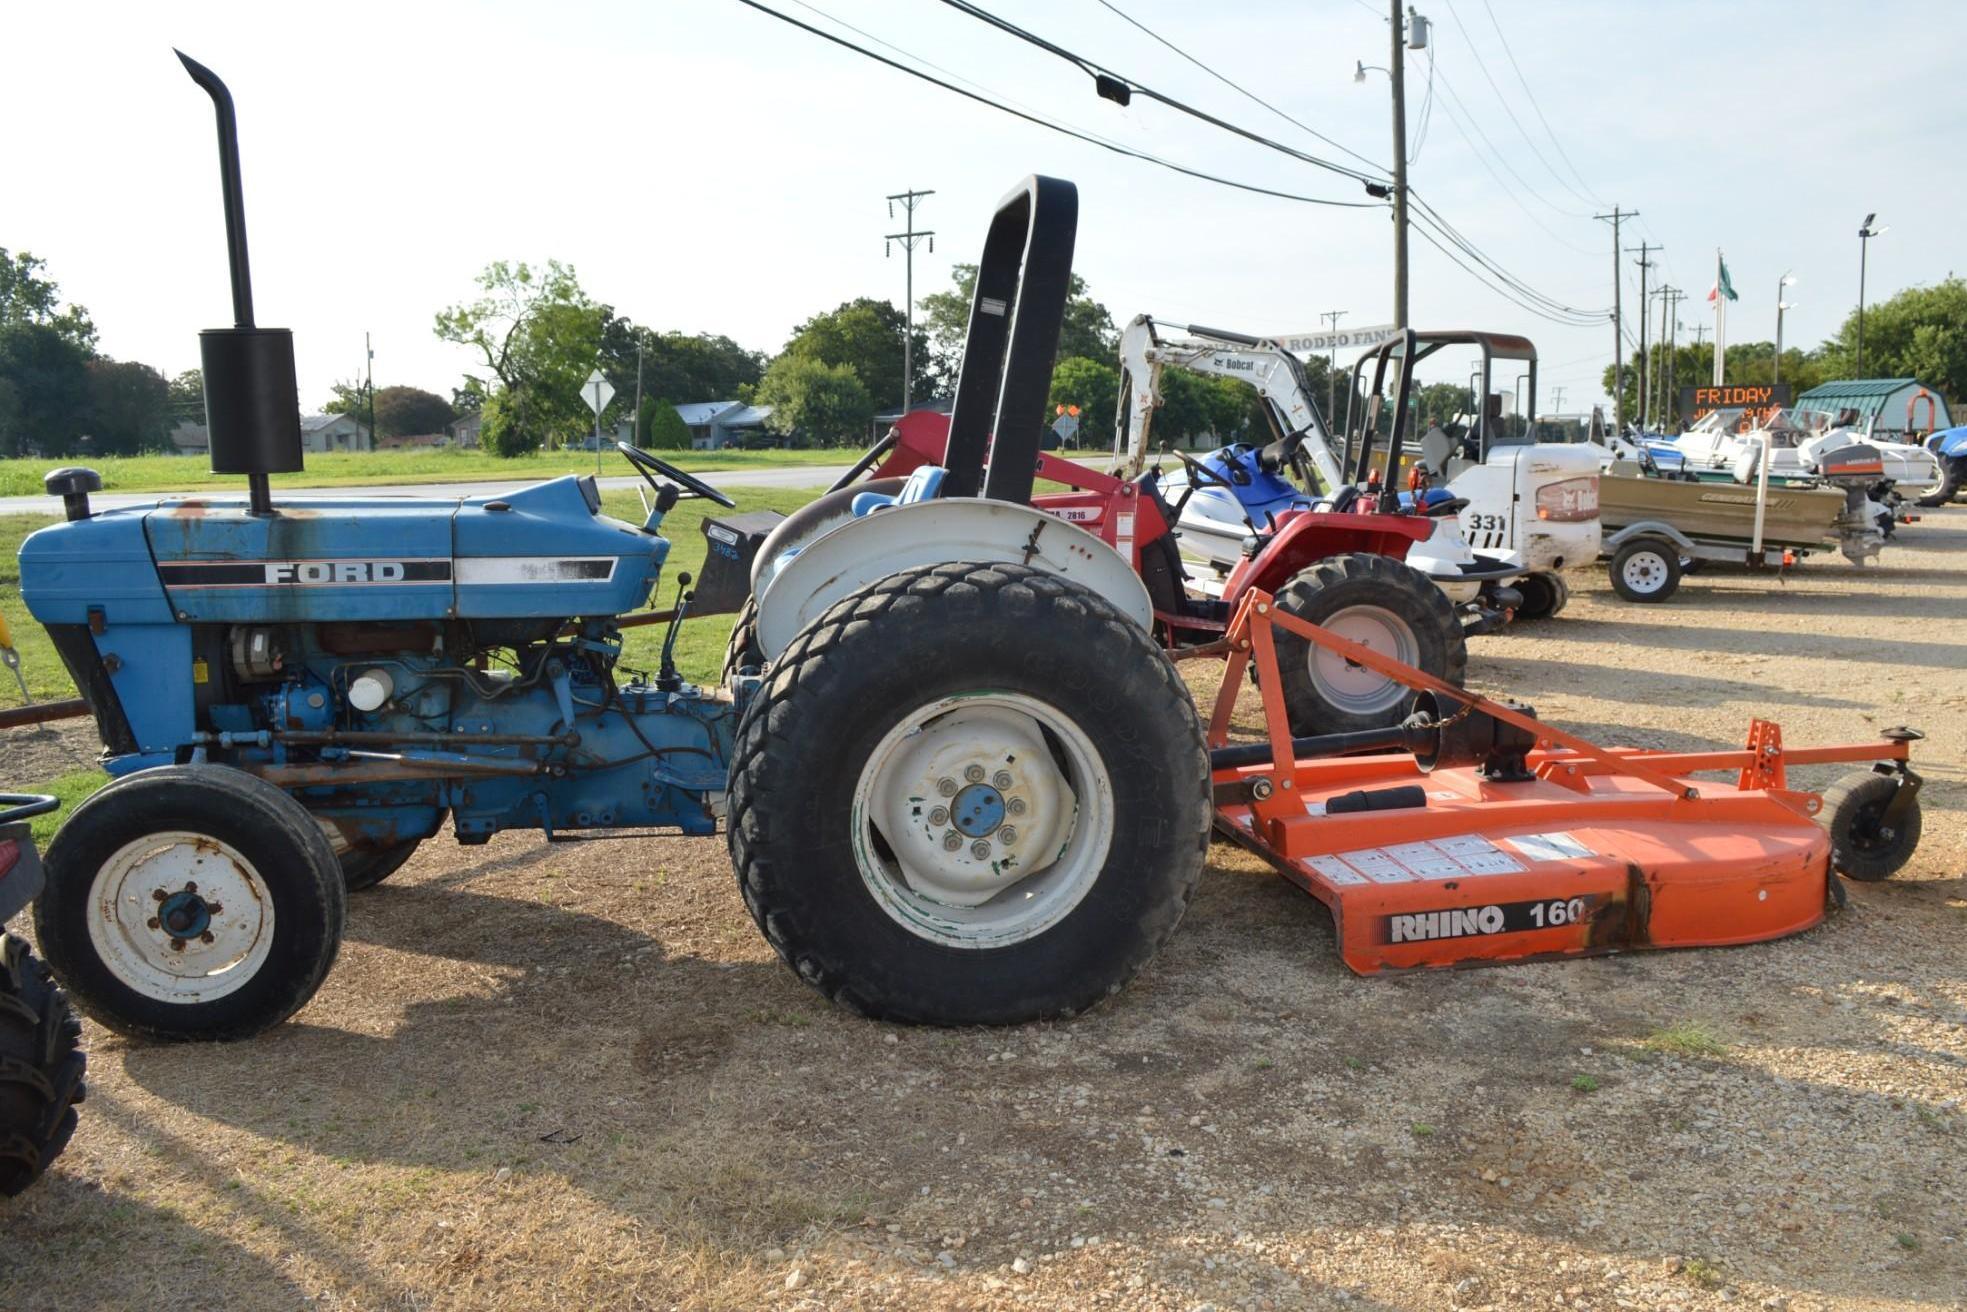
[[1788, 280], [1362, 68], [1865, 233]]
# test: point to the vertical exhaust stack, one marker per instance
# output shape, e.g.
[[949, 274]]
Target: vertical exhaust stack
[[252, 402]]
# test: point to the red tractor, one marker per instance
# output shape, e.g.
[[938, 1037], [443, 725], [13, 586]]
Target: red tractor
[[1341, 568]]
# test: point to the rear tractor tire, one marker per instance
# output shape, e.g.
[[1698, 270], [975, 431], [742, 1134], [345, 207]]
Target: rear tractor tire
[[191, 902], [41, 1067], [1382, 603], [365, 867], [1953, 471], [1862, 847], [969, 794], [1646, 571]]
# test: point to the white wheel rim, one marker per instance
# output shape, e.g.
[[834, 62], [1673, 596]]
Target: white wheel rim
[[1645, 571], [1354, 688], [982, 820], [181, 918]]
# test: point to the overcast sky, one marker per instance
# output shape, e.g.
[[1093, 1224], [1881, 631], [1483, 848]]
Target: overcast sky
[[707, 168]]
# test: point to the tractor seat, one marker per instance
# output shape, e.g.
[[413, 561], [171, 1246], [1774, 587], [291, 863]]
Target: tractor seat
[[925, 484], [1339, 502]]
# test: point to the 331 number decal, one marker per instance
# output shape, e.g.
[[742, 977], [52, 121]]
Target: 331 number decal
[[1487, 523]]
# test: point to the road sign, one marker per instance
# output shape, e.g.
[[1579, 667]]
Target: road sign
[[1345, 339], [597, 391]]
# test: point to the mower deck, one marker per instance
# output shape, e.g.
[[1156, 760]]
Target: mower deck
[[1567, 849]]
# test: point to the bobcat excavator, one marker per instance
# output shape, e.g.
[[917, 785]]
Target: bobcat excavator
[[1526, 509]]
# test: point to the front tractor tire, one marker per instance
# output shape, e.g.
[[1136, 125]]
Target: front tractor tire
[[41, 1067], [970, 794], [191, 902], [1381, 603]]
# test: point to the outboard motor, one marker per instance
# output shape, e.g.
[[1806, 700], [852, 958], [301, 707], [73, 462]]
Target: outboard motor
[[252, 402]]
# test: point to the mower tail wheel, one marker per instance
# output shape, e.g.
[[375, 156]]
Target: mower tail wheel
[[41, 1067], [1865, 843], [1382, 603], [1645, 570], [191, 902], [1544, 594], [969, 794]]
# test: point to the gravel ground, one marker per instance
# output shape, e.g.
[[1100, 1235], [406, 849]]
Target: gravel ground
[[574, 1076]]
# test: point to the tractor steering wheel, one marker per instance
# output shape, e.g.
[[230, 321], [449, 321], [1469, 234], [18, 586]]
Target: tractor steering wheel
[[1198, 472], [648, 466]]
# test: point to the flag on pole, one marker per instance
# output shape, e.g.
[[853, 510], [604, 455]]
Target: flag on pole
[[1722, 287], [1719, 295]]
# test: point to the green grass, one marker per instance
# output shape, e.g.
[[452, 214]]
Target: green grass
[[22, 477], [71, 788], [1584, 1084], [699, 647], [1689, 1038]]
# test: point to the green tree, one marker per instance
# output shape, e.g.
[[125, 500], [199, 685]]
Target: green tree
[[187, 397], [410, 411], [1086, 330], [1919, 333], [865, 335], [26, 297], [537, 335], [695, 366], [1093, 386], [665, 428], [129, 407], [823, 404]]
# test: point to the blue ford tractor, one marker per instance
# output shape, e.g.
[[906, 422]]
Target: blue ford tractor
[[965, 786]]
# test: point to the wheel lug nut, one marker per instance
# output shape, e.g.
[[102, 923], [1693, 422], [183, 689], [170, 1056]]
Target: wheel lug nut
[[947, 787], [190, 887], [974, 773], [1015, 806], [1007, 835], [177, 945], [980, 849], [156, 895], [1002, 779], [155, 923], [952, 841], [206, 937], [939, 816]]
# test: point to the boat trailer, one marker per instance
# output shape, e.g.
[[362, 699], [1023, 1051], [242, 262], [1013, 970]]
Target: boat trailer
[[1475, 833]]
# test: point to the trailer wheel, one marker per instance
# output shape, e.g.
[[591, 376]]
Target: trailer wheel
[[1382, 603], [1862, 846], [1544, 594], [969, 794], [41, 1068], [191, 902], [1951, 470], [365, 867], [1646, 570]]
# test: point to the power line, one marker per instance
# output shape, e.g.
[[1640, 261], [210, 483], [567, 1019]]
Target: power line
[[1448, 85], [1441, 224], [1239, 88], [1483, 66], [1060, 128], [1532, 97], [1120, 89]]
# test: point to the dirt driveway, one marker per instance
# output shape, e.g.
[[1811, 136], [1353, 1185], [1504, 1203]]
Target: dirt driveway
[[575, 1077]]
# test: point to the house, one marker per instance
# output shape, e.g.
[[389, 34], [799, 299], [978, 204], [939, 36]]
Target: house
[[1895, 409], [714, 425], [467, 429], [190, 438], [324, 433]]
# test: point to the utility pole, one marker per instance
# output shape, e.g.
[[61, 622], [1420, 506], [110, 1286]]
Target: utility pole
[[1559, 399], [1644, 265], [1618, 216], [1673, 359], [908, 238], [1397, 74], [1659, 407], [1332, 318], [1865, 233], [635, 428], [370, 364]]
